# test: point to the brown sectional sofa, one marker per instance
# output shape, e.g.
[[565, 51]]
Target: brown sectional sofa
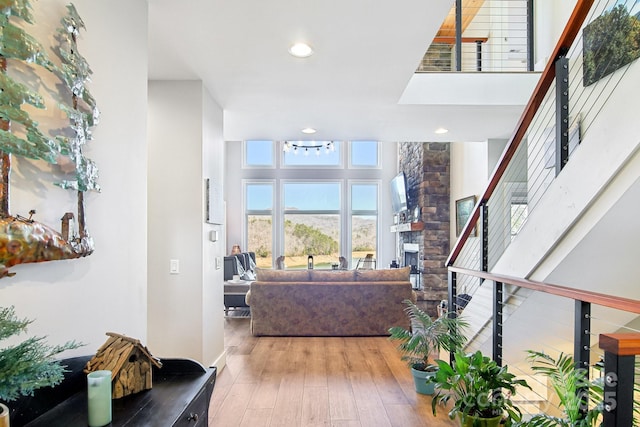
[[329, 302]]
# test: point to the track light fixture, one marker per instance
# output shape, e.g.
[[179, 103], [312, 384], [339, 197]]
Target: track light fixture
[[307, 147]]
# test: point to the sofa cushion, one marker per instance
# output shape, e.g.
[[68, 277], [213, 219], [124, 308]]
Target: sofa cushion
[[385, 275], [332, 275], [267, 275]]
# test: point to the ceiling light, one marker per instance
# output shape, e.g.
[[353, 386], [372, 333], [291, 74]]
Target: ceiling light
[[301, 50], [289, 146], [308, 130], [441, 131]]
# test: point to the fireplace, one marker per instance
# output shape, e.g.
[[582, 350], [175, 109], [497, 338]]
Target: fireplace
[[412, 259]]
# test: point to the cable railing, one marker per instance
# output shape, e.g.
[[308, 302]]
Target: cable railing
[[555, 122], [483, 35], [563, 113], [563, 321]]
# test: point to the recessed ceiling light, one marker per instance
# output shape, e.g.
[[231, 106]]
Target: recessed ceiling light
[[308, 130], [441, 131], [301, 50]]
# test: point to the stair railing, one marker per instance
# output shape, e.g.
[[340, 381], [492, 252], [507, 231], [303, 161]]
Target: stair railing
[[620, 349], [549, 111], [536, 100]]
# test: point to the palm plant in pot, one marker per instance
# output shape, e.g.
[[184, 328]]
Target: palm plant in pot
[[480, 390], [425, 340], [579, 399]]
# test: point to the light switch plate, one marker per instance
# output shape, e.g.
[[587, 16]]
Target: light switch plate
[[174, 266]]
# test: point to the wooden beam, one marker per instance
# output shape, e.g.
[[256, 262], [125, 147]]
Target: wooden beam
[[452, 40]]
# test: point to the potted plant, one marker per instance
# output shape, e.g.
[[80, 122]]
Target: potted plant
[[480, 390], [567, 381], [424, 341], [28, 365]]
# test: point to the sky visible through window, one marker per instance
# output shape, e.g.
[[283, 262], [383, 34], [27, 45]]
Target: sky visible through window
[[259, 153], [259, 197], [311, 196]]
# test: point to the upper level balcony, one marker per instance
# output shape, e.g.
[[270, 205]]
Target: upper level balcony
[[484, 35]]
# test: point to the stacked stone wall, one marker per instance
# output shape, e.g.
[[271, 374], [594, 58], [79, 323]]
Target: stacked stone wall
[[427, 168]]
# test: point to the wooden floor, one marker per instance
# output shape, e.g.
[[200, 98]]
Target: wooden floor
[[342, 382]]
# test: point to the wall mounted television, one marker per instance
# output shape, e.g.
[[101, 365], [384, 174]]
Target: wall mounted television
[[399, 198]]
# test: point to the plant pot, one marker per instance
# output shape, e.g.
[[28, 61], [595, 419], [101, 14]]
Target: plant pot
[[420, 381], [4, 415], [473, 421]]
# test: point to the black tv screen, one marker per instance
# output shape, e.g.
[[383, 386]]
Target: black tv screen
[[399, 193]]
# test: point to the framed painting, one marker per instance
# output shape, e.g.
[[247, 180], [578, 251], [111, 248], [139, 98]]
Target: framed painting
[[464, 207]]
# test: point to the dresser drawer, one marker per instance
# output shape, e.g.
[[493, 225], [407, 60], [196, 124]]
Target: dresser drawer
[[196, 414]]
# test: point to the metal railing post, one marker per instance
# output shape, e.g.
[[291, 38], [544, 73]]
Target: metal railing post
[[562, 113], [458, 35], [530, 34], [484, 221], [581, 346], [497, 322], [453, 307]]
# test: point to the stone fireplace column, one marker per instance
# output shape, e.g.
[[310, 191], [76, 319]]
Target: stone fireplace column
[[427, 167]]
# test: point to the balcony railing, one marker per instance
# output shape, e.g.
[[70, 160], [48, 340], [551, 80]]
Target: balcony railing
[[483, 35]]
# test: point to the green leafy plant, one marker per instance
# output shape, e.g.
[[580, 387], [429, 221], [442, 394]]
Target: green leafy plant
[[427, 336], [567, 382], [478, 386], [30, 364]]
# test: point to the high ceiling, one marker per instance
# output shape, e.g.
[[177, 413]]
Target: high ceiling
[[365, 54]]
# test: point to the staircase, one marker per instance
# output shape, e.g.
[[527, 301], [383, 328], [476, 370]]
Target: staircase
[[574, 160]]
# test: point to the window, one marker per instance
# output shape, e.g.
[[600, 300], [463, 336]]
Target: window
[[297, 206], [364, 221], [364, 154], [259, 222], [259, 153], [519, 211], [311, 223]]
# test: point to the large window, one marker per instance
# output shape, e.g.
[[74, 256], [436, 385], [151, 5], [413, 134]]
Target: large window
[[297, 206], [311, 223]]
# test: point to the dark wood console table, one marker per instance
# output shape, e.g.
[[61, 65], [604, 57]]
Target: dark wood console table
[[180, 397]]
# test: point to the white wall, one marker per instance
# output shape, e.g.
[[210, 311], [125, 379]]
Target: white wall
[[185, 147], [213, 155], [82, 299], [469, 175], [550, 18]]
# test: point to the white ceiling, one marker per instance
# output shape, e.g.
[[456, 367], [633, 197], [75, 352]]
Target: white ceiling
[[365, 56]]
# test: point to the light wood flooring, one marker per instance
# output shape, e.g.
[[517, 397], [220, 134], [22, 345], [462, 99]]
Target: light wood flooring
[[299, 381]]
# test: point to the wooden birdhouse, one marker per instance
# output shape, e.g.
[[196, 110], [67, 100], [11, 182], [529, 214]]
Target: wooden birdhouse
[[130, 364]]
